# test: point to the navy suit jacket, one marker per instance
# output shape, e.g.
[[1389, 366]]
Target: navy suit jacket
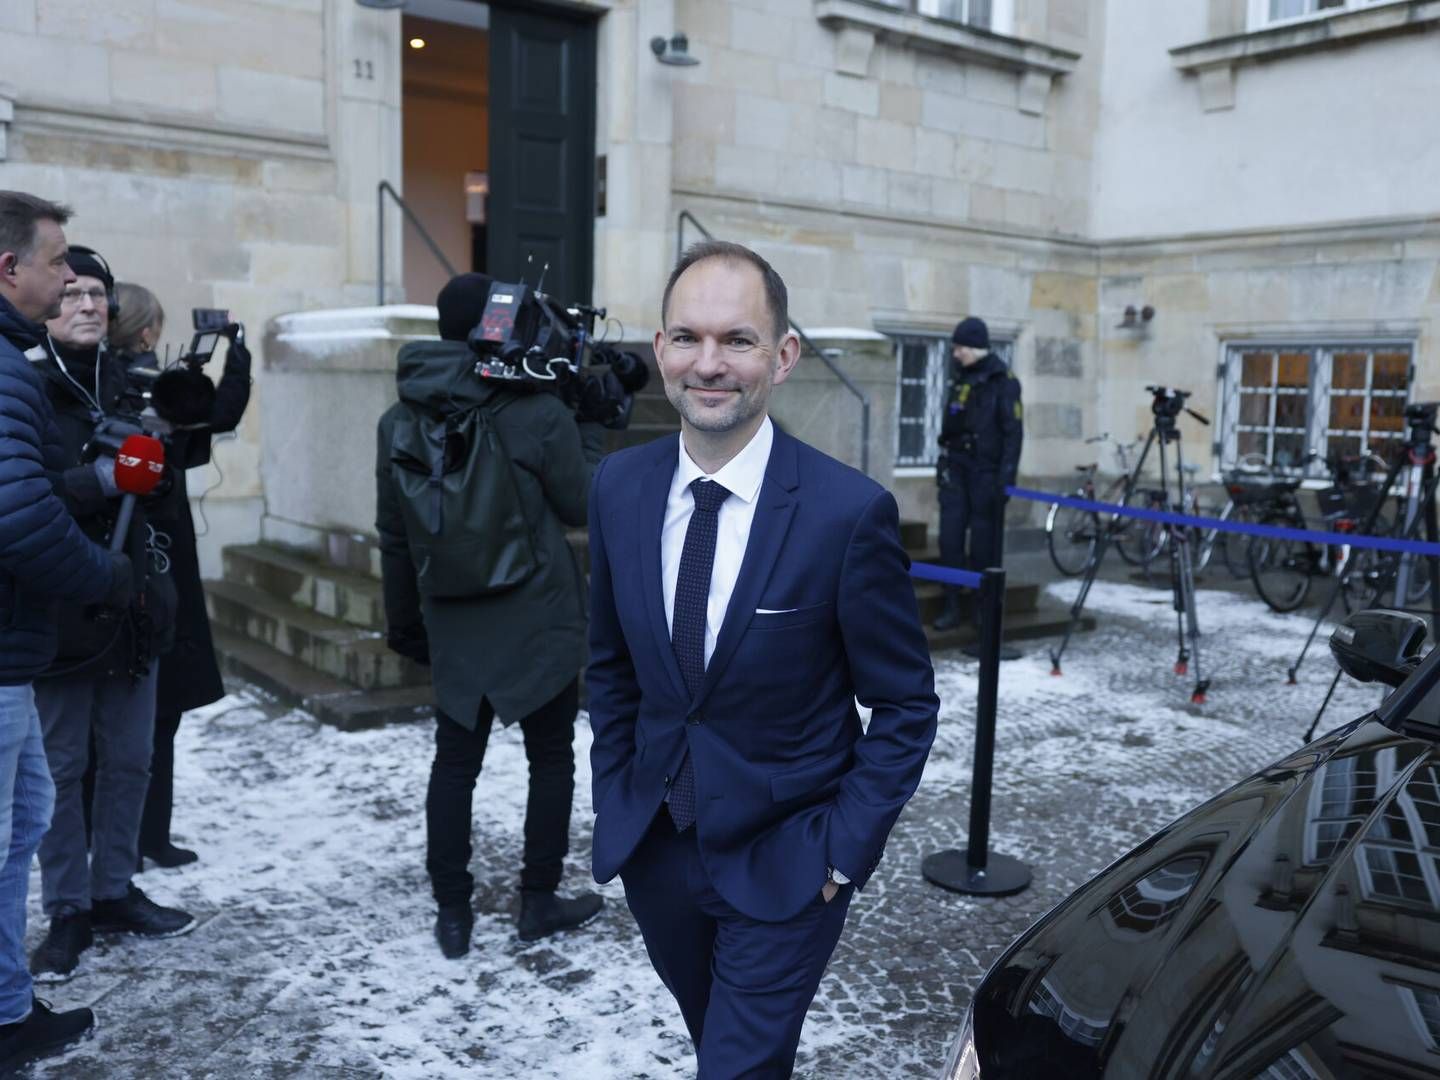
[[787, 781]]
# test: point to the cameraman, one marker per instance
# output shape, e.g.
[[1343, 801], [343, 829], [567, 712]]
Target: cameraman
[[517, 652], [189, 675], [43, 555], [980, 438], [103, 679]]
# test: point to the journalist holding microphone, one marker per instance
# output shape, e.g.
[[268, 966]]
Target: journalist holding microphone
[[189, 675], [102, 683], [44, 557]]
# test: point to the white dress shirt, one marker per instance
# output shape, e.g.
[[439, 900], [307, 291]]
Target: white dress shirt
[[742, 476]]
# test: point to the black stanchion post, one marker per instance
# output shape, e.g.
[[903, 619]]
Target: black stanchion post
[[977, 870]]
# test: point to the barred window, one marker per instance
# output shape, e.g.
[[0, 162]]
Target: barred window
[[922, 362], [1280, 403]]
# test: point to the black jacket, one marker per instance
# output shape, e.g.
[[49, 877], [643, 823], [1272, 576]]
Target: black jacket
[[85, 386], [983, 427], [520, 648], [43, 554], [189, 674]]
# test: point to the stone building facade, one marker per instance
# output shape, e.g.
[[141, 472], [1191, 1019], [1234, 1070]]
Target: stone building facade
[[1257, 174]]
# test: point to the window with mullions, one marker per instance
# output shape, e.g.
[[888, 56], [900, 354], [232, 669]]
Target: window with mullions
[[1401, 850], [1269, 12], [1341, 800], [1423, 1005], [1280, 402], [922, 361], [993, 15], [1290, 1067]]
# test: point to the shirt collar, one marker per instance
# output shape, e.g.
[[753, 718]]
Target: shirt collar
[[743, 474]]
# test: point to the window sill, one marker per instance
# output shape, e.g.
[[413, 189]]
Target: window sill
[[862, 22], [1215, 62]]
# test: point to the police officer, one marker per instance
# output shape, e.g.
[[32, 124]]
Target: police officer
[[980, 439]]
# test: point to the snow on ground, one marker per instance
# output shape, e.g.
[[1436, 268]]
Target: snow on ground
[[314, 955]]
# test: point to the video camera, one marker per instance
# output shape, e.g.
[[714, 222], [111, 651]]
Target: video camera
[[526, 337], [1420, 419], [180, 394], [1167, 404]]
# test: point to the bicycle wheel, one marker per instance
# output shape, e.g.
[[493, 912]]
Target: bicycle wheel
[[1204, 541], [1138, 540], [1281, 569], [1070, 535], [1231, 546]]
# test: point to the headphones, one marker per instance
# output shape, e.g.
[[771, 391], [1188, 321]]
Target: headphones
[[112, 302]]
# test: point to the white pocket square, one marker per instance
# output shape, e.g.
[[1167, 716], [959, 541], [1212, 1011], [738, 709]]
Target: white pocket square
[[775, 611]]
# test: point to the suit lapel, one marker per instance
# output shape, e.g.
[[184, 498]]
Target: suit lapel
[[773, 514], [654, 494]]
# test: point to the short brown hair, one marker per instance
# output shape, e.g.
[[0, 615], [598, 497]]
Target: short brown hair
[[776, 297], [139, 308], [19, 214]]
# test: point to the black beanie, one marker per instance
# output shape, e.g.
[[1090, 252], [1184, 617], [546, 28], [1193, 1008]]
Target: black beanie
[[972, 333], [87, 262], [461, 303]]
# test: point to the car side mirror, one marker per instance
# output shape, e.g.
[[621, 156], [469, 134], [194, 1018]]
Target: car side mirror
[[1379, 645]]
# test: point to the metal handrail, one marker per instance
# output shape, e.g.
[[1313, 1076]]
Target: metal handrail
[[381, 191], [845, 380]]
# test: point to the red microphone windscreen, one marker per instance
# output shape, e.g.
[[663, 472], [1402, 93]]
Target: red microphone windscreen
[[140, 465]]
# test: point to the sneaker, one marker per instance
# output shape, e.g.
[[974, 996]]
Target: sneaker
[[168, 856], [544, 913], [43, 1034], [452, 930], [57, 959], [135, 913]]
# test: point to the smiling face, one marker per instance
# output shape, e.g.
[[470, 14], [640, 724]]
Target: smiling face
[[719, 355], [84, 317]]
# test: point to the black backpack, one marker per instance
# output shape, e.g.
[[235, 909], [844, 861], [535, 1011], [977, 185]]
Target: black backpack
[[463, 518]]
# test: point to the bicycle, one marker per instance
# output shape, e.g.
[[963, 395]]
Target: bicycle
[[1283, 568], [1070, 533], [1147, 539]]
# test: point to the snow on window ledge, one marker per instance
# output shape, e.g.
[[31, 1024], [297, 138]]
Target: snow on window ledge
[[1215, 62], [862, 22]]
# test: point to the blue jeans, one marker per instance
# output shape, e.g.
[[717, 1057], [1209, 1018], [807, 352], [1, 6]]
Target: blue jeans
[[27, 798]]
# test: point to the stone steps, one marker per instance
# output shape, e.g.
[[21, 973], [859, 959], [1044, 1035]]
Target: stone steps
[[353, 598], [338, 649]]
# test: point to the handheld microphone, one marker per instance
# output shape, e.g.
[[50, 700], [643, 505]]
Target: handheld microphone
[[139, 468]]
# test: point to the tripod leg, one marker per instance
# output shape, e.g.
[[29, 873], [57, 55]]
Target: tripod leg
[[1432, 534], [1102, 545], [1310, 734], [1186, 586]]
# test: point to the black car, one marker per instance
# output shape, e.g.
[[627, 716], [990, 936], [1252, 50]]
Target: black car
[[1287, 929]]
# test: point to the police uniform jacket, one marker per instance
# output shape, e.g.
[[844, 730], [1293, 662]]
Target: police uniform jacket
[[983, 426]]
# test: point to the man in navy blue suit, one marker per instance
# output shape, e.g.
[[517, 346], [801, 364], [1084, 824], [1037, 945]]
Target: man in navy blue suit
[[746, 590]]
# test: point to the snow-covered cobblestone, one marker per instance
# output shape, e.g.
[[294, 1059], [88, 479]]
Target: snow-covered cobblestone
[[314, 956]]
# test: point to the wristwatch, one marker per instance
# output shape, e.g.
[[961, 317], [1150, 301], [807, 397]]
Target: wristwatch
[[835, 877]]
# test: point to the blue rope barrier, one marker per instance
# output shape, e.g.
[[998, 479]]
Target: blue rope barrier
[[946, 575], [1380, 543]]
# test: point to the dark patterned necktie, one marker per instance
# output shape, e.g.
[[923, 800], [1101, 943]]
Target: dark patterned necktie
[[687, 623]]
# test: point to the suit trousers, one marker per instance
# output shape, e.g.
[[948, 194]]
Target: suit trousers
[[972, 515], [160, 799], [549, 734], [743, 986]]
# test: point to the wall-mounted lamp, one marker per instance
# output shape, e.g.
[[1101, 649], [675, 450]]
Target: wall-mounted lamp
[[1135, 320], [675, 52], [417, 42]]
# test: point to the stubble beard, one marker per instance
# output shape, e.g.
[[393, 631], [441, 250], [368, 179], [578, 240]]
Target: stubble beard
[[716, 420]]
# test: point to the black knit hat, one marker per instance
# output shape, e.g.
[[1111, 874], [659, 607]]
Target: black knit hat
[[972, 333], [87, 262], [461, 303]]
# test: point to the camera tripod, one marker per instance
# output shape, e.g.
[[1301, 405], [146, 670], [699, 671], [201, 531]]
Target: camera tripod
[[1167, 405], [1416, 462]]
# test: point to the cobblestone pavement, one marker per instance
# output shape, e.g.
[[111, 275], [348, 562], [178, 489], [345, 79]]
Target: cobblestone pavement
[[313, 955]]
